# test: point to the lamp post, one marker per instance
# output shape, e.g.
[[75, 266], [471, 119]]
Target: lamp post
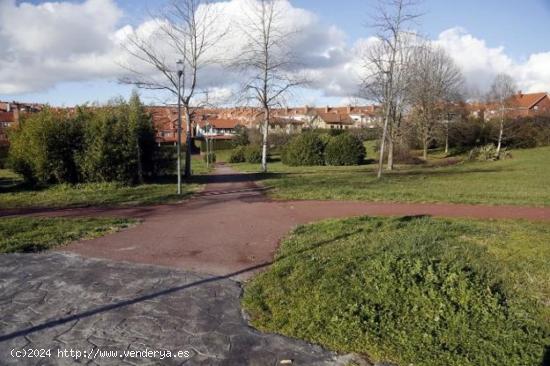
[[180, 67]]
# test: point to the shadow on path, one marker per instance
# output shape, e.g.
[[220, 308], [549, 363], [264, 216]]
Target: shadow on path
[[57, 322]]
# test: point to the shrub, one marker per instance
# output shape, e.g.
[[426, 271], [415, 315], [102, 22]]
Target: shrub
[[253, 154], [303, 150], [483, 153], [241, 136], [276, 141], [366, 134], [45, 147], [237, 155], [119, 144], [344, 149]]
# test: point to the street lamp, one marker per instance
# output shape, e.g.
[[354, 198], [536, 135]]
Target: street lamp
[[180, 67]]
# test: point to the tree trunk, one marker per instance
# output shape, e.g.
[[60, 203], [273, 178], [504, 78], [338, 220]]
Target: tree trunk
[[500, 134], [390, 153], [187, 142], [425, 142], [383, 141], [447, 138], [264, 140]]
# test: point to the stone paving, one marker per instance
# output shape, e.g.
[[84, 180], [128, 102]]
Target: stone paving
[[61, 301]]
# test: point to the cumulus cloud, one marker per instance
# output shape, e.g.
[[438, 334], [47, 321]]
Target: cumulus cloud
[[52, 42], [58, 41], [480, 63]]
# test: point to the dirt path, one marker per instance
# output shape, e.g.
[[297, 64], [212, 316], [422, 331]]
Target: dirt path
[[232, 227]]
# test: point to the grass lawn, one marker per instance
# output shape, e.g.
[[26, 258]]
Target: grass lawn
[[13, 194], [27, 234], [419, 291], [523, 180]]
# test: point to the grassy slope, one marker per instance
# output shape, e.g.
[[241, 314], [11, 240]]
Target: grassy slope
[[14, 195], [523, 180], [423, 291], [26, 234]]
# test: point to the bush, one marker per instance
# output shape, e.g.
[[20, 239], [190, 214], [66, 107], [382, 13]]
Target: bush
[[114, 143], [344, 149], [305, 149], [366, 134], [276, 141], [483, 153], [241, 136], [119, 144], [45, 147], [253, 154], [237, 155]]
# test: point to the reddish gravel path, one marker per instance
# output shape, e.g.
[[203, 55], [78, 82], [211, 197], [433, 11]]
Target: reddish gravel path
[[231, 226]]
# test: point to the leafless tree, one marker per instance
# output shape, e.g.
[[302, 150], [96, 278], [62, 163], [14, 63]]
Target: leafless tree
[[385, 65], [266, 61], [501, 92], [435, 83], [186, 31]]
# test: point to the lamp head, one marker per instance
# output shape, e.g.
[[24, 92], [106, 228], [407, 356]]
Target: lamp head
[[179, 67]]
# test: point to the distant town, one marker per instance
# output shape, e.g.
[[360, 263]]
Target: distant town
[[220, 123]]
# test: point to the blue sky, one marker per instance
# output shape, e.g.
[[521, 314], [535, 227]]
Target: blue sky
[[520, 28]]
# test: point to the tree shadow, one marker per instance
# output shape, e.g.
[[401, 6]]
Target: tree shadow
[[124, 303], [546, 357]]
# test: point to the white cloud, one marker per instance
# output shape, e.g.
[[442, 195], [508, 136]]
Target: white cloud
[[53, 42], [58, 41], [480, 63]]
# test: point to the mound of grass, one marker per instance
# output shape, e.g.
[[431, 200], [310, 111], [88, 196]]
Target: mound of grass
[[416, 291], [24, 234]]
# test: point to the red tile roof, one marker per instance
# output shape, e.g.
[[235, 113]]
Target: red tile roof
[[335, 118], [221, 122], [526, 100]]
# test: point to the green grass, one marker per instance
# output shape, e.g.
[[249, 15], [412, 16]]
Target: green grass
[[25, 234], [13, 194], [416, 291], [523, 180]]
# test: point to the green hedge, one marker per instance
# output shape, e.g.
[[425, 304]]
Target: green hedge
[[237, 155], [313, 148], [344, 149], [113, 143], [305, 149], [253, 154]]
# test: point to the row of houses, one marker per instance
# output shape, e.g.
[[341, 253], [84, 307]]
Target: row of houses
[[220, 123], [10, 113]]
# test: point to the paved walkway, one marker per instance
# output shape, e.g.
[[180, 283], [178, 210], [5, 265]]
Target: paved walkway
[[233, 227], [64, 302]]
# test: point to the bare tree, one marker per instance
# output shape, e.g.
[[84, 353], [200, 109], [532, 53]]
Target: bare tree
[[386, 63], [266, 60], [435, 83], [502, 90], [186, 31]]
